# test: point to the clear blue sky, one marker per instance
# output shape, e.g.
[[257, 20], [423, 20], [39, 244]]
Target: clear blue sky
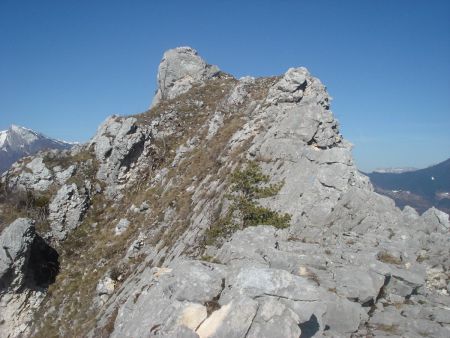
[[66, 65]]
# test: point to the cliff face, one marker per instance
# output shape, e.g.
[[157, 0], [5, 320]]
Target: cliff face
[[151, 241]]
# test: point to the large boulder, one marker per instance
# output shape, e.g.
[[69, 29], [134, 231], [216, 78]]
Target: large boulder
[[33, 176], [118, 145], [15, 247], [67, 209], [28, 265], [179, 69]]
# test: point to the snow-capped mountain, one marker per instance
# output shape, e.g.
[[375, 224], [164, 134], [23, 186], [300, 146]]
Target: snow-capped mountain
[[17, 142]]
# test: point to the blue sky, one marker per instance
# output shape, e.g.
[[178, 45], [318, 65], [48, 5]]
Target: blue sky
[[66, 65]]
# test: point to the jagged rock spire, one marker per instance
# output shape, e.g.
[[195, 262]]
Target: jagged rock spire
[[179, 69]]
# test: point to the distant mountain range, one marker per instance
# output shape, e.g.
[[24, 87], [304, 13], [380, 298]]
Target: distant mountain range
[[18, 142], [420, 189], [394, 170]]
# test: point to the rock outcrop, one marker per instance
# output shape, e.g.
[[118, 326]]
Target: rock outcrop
[[179, 69], [118, 144], [152, 246], [15, 245], [27, 265], [67, 209], [35, 175]]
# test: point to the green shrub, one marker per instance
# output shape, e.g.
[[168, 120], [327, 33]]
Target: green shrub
[[247, 186]]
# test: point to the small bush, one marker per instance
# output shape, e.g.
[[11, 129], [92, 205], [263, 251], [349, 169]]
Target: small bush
[[247, 186]]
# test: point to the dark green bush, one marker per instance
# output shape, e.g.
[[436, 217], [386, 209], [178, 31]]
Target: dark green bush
[[247, 186]]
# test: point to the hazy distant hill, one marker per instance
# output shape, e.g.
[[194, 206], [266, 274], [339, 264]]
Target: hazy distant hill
[[17, 142], [394, 170], [420, 189]]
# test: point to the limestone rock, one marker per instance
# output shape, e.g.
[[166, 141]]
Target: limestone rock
[[67, 209], [358, 284], [437, 220], [15, 245], [231, 320], [240, 92], [118, 144], [63, 175], [27, 266], [105, 288], [36, 176], [290, 88], [122, 226], [179, 69]]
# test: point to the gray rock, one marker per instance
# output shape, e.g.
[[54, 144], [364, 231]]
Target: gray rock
[[63, 175], [259, 282], [304, 139], [214, 125], [343, 316], [118, 144], [170, 298], [144, 206], [240, 92], [35, 176], [358, 283], [15, 245], [122, 226], [231, 320], [274, 319], [179, 69], [290, 88], [67, 209], [105, 288], [436, 220], [24, 256]]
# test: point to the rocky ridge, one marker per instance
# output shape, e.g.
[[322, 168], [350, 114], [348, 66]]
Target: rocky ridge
[[130, 211]]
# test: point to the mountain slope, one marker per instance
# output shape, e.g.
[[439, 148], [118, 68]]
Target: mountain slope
[[420, 189], [18, 142], [231, 208]]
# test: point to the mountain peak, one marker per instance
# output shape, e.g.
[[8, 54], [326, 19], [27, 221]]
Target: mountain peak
[[179, 69], [17, 142]]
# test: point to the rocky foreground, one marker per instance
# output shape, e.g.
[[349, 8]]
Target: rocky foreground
[[124, 236]]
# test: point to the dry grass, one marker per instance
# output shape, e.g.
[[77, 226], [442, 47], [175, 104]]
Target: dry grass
[[388, 258], [392, 329]]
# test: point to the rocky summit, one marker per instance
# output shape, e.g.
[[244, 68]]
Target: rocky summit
[[231, 208]]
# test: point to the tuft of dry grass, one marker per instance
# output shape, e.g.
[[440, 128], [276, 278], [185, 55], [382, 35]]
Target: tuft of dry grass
[[386, 257]]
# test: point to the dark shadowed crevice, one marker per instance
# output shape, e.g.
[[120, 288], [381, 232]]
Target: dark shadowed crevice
[[134, 153], [43, 265], [108, 153], [310, 327]]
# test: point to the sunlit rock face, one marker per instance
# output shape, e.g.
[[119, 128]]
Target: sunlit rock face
[[179, 69]]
